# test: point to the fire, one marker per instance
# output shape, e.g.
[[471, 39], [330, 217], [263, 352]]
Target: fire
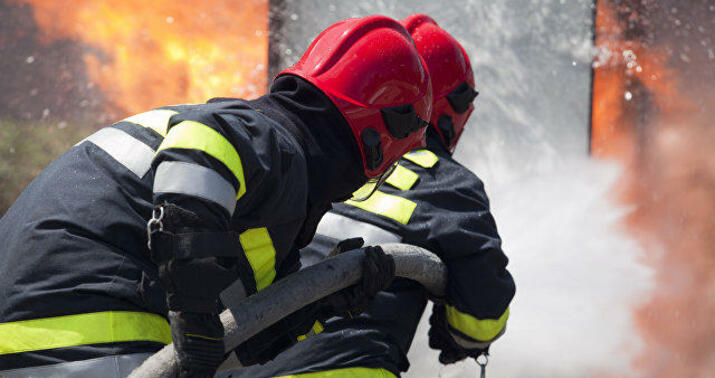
[[624, 69], [147, 54], [647, 115]]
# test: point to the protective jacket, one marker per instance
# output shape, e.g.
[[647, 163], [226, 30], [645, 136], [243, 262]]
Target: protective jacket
[[76, 278], [430, 201], [434, 202]]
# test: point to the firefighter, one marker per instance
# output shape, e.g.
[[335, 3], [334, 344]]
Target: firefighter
[[149, 219], [431, 201]]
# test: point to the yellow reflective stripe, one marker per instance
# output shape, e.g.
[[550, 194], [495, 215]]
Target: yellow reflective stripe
[[203, 337], [356, 372], [157, 120], [364, 190], [82, 329], [259, 250], [402, 178], [423, 158], [480, 330], [387, 205], [197, 136], [317, 328]]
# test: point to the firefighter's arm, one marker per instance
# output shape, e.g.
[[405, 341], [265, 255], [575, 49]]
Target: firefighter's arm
[[378, 270], [480, 288], [199, 177]]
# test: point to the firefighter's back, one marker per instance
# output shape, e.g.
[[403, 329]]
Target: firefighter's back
[[73, 249]]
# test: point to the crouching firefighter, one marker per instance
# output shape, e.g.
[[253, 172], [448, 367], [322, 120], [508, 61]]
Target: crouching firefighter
[[431, 201], [149, 219]]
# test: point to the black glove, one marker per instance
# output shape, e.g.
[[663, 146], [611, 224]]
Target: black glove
[[346, 245], [441, 339], [194, 264], [267, 344], [378, 271], [198, 343]]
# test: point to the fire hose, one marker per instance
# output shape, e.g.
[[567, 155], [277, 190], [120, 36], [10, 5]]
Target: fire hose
[[248, 316]]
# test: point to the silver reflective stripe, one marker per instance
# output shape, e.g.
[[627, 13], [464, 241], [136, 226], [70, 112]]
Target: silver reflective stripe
[[195, 180], [341, 227], [124, 148], [118, 366]]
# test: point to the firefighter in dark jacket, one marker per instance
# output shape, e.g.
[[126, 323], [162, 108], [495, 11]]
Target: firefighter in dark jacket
[[431, 201], [151, 218]]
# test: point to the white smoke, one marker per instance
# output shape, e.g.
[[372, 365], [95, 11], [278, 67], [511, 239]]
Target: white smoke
[[578, 278]]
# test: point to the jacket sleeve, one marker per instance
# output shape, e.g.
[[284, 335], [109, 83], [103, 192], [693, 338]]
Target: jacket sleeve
[[461, 230], [202, 165], [198, 166]]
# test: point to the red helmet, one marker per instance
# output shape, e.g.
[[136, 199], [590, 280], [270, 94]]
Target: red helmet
[[371, 70], [451, 73]]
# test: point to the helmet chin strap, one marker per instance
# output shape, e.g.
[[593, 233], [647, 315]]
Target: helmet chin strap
[[375, 183]]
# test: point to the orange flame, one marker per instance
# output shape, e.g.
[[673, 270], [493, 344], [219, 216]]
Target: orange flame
[[148, 54], [643, 116], [623, 67]]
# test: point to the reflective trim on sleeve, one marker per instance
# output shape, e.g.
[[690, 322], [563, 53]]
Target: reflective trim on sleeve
[[468, 343], [354, 372], [479, 330], [124, 148], [423, 158], [156, 120], [341, 227], [83, 329], [402, 178], [387, 205], [259, 250], [110, 366], [197, 136], [195, 180]]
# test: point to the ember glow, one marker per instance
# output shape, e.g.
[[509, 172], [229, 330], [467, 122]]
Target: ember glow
[[652, 110], [147, 54]]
